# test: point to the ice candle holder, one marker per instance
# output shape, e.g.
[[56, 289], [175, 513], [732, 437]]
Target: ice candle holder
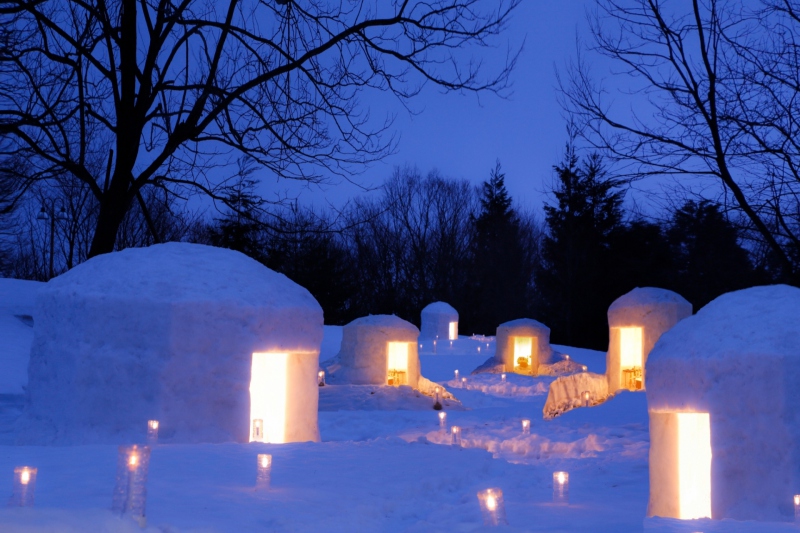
[[443, 420], [436, 398], [24, 487], [130, 491], [258, 430], [586, 398], [526, 427], [797, 507], [585, 368], [561, 487], [493, 508], [152, 432], [263, 471], [503, 378], [455, 432], [455, 372], [463, 383], [321, 378]]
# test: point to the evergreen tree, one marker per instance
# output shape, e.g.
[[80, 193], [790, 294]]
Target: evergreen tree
[[575, 278], [708, 259], [500, 270]]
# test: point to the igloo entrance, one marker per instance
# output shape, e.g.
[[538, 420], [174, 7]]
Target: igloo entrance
[[631, 349], [680, 459], [453, 331], [523, 354], [397, 371], [269, 376]]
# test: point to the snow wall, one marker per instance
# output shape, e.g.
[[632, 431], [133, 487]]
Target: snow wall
[[364, 356], [523, 327], [435, 321], [652, 309], [737, 359], [167, 333]]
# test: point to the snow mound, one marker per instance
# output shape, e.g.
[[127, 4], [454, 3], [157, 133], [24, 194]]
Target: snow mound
[[515, 385], [737, 359], [567, 392], [540, 350], [16, 332], [379, 398], [435, 321], [167, 333]]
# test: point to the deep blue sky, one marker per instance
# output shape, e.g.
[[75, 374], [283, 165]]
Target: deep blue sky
[[463, 135]]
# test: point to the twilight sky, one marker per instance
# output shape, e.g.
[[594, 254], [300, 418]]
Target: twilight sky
[[463, 135]]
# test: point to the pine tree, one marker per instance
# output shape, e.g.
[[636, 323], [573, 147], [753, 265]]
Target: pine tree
[[500, 272], [574, 281]]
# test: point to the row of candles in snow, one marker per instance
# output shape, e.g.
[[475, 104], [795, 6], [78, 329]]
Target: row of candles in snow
[[451, 345], [493, 507]]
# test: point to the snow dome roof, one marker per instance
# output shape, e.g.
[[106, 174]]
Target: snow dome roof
[[523, 323], [181, 272], [647, 296], [440, 308], [384, 321], [759, 321]]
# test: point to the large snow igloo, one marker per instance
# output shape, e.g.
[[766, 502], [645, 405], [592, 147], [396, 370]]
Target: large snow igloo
[[522, 345], [206, 340], [379, 350], [636, 320], [439, 321], [723, 394]]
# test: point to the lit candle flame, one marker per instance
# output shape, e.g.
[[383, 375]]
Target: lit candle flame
[[585, 368], [321, 373], [566, 357], [491, 502], [797, 499], [442, 416], [25, 477], [526, 423], [264, 459], [437, 390], [561, 477], [133, 461], [153, 424]]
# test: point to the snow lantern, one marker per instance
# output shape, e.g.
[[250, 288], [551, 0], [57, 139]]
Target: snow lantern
[[723, 388], [205, 340], [635, 322], [379, 350], [439, 321], [522, 345]]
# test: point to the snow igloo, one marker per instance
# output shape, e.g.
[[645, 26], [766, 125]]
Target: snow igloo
[[636, 320], [439, 321], [212, 344], [378, 350], [723, 391], [522, 345]]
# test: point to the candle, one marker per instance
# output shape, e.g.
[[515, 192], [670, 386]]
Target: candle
[[263, 471], [586, 398], [503, 378], [455, 432], [321, 378], [463, 382], [22, 494], [152, 432], [585, 368], [560, 487], [443, 420], [797, 507], [130, 491], [492, 507], [526, 426], [455, 372]]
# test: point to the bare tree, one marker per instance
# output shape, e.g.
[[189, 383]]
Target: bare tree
[[159, 93], [697, 104]]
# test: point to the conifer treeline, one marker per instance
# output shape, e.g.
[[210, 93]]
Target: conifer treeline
[[429, 238]]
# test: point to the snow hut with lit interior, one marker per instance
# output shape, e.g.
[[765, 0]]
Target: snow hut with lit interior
[[209, 342], [439, 321], [522, 345], [636, 320], [377, 350], [723, 390]]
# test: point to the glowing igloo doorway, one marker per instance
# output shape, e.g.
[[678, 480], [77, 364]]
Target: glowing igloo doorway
[[268, 395], [680, 465], [523, 354], [631, 350], [397, 363]]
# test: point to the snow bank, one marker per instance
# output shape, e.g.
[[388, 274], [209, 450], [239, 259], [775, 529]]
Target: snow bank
[[16, 332], [567, 393], [167, 332], [365, 358], [538, 349], [651, 309], [737, 359], [436, 319]]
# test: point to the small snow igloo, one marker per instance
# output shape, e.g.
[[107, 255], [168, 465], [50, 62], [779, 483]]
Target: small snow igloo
[[723, 394], [636, 320], [379, 350], [212, 344], [522, 345], [439, 321]]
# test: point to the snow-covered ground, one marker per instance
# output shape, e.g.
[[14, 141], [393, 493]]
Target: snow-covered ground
[[383, 464]]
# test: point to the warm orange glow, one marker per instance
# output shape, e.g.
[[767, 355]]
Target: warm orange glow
[[630, 347], [523, 352], [397, 363], [442, 416], [566, 357], [453, 331], [321, 374], [268, 395], [25, 476], [586, 395], [152, 424], [561, 477], [264, 460], [797, 499], [133, 461], [455, 372], [491, 502], [694, 465]]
